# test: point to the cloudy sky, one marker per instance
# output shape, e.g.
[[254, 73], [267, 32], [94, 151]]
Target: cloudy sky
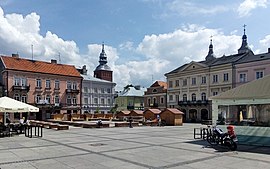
[[144, 39]]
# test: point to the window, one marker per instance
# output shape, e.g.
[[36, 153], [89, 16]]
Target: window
[[184, 97], [85, 90], [203, 79], [48, 99], [17, 97], [48, 84], [259, 74], [162, 100], [154, 100], [102, 101], [171, 97], [68, 85], [108, 90], [74, 85], [170, 84], [203, 97], [177, 83], [193, 81], [149, 101], [154, 91], [96, 100], [95, 90], [57, 84], [39, 84], [177, 98], [24, 98], [109, 101], [74, 100], [185, 82], [17, 81], [85, 100], [193, 97], [215, 78], [226, 77], [38, 98], [24, 82], [102, 90], [215, 93], [69, 100], [56, 99], [242, 77]]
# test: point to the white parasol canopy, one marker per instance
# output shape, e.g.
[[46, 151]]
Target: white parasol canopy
[[10, 105]]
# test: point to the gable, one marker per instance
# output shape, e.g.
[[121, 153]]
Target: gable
[[194, 66]]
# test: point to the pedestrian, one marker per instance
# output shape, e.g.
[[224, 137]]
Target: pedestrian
[[159, 120], [130, 122]]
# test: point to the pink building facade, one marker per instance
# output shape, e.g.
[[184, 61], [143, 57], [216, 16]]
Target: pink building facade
[[54, 88]]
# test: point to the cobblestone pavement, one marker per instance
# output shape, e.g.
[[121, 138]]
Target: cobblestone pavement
[[125, 148]]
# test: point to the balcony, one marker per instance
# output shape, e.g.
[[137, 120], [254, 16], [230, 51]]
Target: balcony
[[38, 89], [193, 103], [21, 88], [47, 89], [73, 91], [56, 90]]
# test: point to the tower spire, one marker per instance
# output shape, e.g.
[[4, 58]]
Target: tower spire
[[244, 47], [210, 54], [103, 71], [102, 56]]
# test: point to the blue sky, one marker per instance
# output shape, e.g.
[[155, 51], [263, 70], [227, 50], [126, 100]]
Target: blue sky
[[144, 39]]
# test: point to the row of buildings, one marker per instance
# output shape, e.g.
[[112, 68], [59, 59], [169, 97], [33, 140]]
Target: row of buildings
[[191, 85], [57, 88]]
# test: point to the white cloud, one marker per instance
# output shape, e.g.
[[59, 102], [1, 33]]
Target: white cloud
[[187, 44], [19, 33], [188, 8], [247, 6], [264, 44], [161, 53]]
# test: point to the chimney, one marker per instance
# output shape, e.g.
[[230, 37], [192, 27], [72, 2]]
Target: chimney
[[268, 50], [84, 70], [15, 55], [53, 61]]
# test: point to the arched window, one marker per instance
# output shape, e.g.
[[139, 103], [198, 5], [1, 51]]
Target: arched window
[[154, 100], [203, 96], [184, 97], [24, 98], [193, 97], [149, 101]]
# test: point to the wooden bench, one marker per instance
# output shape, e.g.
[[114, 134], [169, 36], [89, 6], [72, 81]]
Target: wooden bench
[[150, 123], [62, 127], [126, 124], [106, 125]]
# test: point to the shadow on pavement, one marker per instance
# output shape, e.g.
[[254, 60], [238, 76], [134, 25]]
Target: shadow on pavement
[[240, 147]]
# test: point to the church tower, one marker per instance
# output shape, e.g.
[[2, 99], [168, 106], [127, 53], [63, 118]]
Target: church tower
[[244, 47], [103, 71]]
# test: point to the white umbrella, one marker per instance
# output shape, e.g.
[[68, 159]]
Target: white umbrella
[[10, 105]]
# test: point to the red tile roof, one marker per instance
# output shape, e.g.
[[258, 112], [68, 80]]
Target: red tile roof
[[159, 83], [14, 63]]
